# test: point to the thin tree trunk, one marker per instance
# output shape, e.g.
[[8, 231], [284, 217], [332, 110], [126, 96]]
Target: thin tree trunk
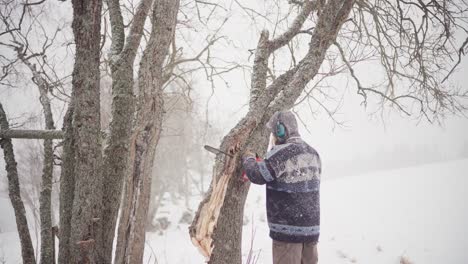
[[27, 250], [217, 226], [67, 186], [45, 199], [86, 221], [116, 153], [130, 242]]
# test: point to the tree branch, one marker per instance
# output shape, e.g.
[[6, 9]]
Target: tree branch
[[117, 27], [294, 29], [330, 22], [136, 30], [31, 134], [266, 47]]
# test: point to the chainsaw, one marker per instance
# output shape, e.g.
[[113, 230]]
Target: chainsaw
[[218, 151]]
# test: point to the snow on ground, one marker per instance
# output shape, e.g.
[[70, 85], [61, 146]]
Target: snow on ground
[[420, 213]]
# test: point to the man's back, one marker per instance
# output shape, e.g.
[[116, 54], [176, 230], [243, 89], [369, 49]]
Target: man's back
[[291, 172], [293, 206]]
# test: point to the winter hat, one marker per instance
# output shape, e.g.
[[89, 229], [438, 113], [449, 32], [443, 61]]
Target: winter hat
[[288, 119]]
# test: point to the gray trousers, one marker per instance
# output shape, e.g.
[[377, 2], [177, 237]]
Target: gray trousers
[[294, 253]]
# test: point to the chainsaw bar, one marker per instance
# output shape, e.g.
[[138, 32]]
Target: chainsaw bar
[[216, 151]]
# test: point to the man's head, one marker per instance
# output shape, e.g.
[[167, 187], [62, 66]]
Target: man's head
[[283, 125]]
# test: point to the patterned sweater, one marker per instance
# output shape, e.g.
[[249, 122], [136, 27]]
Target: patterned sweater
[[291, 172]]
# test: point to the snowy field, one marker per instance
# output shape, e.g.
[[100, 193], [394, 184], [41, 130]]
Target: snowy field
[[420, 213]]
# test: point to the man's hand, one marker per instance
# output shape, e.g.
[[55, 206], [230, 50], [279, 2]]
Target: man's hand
[[248, 153]]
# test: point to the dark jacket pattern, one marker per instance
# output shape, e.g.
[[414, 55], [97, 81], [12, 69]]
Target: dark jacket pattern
[[291, 172]]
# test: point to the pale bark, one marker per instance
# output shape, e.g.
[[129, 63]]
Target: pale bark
[[217, 227], [130, 242], [86, 221], [116, 154], [14, 192], [31, 134]]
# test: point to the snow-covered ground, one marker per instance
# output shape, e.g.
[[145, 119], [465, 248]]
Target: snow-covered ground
[[420, 213]]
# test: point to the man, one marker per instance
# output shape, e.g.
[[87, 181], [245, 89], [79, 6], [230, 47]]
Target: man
[[291, 171]]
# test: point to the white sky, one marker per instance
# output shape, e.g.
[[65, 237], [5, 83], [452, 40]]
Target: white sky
[[363, 134]]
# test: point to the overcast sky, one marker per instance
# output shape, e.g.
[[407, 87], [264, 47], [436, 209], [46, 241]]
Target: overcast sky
[[362, 134]]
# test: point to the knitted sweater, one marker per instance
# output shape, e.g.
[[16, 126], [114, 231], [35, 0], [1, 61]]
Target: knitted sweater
[[291, 172]]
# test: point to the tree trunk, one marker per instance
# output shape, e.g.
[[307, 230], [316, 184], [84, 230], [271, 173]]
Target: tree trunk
[[45, 199], [27, 250], [67, 186], [45, 203], [116, 154], [131, 238], [220, 213], [86, 221], [217, 226]]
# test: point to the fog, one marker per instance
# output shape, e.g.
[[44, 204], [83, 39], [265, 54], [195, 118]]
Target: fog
[[355, 137], [363, 132]]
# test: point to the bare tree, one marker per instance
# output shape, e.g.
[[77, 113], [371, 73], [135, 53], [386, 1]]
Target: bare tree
[[121, 60], [146, 133], [116, 154], [43, 84], [27, 250], [19, 40], [389, 27], [47, 239], [123, 105]]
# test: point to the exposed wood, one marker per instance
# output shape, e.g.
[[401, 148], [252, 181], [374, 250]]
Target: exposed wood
[[202, 228]]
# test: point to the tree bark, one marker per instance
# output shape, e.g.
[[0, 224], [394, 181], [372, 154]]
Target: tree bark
[[116, 154], [86, 221], [45, 199], [131, 238], [67, 186], [217, 226], [27, 250]]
